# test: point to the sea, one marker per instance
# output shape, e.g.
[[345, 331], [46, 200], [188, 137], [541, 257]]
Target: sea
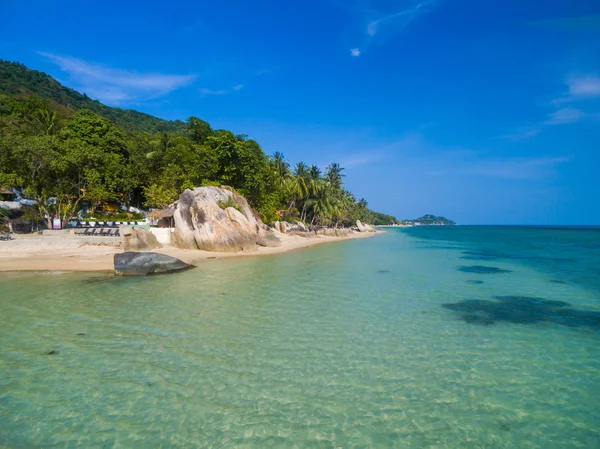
[[445, 337]]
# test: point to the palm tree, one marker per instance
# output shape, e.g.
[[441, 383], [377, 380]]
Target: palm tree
[[48, 120], [325, 203], [296, 188], [164, 143], [314, 173], [334, 175], [280, 165]]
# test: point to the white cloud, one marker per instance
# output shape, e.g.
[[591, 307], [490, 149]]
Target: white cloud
[[355, 51], [581, 87], [565, 116], [117, 86], [236, 88]]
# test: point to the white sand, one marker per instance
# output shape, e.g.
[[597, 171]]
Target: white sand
[[74, 253]]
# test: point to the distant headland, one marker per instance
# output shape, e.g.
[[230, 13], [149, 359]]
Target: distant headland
[[425, 220]]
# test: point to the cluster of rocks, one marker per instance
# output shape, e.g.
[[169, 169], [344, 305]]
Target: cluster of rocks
[[300, 229], [212, 219]]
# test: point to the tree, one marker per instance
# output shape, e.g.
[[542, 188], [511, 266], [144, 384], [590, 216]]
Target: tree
[[48, 120], [198, 130], [334, 175], [280, 165]]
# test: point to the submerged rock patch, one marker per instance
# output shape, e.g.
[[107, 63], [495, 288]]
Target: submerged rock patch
[[523, 310], [482, 269], [474, 282]]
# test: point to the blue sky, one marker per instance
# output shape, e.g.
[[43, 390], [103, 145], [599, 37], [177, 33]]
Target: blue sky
[[484, 112]]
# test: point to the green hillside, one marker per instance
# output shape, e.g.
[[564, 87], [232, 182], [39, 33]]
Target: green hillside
[[18, 80]]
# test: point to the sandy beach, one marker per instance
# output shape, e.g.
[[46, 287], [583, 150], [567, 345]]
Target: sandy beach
[[75, 253]]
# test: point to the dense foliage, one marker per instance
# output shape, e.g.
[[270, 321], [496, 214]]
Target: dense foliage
[[63, 149]]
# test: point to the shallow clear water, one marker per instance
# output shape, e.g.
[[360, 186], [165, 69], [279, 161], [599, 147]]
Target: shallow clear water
[[445, 337]]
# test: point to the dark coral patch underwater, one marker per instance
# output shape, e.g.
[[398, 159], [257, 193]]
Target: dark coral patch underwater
[[523, 310], [482, 269]]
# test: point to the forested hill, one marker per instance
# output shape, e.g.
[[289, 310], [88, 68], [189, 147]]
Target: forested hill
[[18, 80], [430, 220]]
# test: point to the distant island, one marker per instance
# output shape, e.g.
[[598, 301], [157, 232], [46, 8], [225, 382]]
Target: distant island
[[429, 220]]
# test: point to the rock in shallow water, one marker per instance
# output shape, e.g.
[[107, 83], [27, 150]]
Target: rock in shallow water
[[143, 264]]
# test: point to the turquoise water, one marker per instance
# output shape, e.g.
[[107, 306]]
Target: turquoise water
[[421, 337]]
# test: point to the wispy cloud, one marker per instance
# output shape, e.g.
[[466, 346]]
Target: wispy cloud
[[362, 159], [578, 89], [586, 86], [117, 86], [522, 134], [419, 155], [381, 26], [516, 168], [565, 116], [236, 88]]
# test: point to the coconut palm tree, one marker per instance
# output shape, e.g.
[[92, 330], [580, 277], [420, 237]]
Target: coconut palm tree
[[162, 145], [314, 173], [325, 204], [48, 119], [280, 165], [334, 175]]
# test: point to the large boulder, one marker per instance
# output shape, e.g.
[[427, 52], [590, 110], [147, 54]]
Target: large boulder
[[138, 239], [364, 227], [266, 237], [216, 219], [142, 264]]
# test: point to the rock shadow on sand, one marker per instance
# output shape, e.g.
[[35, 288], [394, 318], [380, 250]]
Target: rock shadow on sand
[[523, 310]]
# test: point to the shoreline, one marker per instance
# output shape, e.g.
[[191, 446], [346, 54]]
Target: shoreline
[[44, 253]]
